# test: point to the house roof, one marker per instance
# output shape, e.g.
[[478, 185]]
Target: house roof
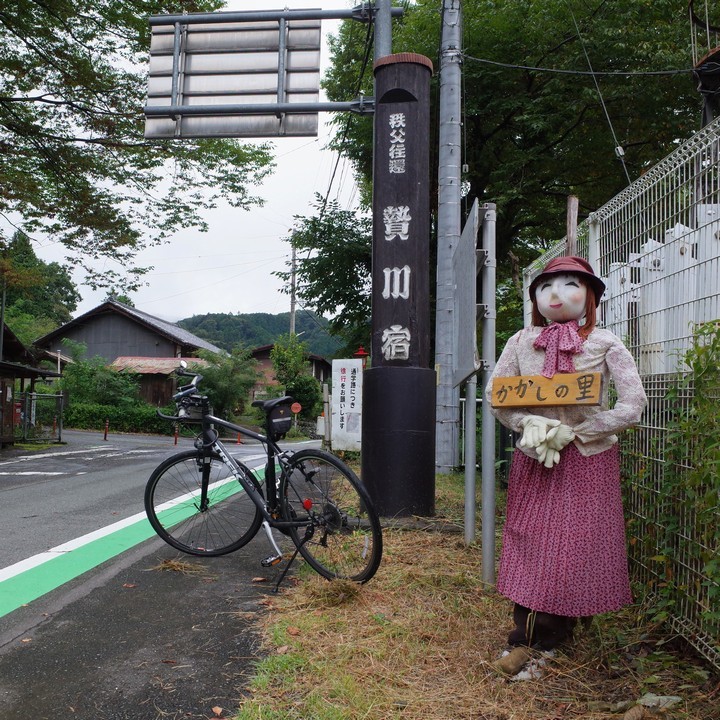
[[162, 327], [17, 360], [152, 365]]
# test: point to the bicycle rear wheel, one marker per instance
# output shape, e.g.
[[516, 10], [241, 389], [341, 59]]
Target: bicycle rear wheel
[[226, 521], [346, 538]]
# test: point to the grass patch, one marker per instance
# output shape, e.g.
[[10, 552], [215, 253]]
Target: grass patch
[[418, 641]]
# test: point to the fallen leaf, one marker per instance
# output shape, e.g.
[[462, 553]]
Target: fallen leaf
[[282, 650], [129, 585], [26, 640], [217, 710], [259, 579], [170, 662], [293, 631], [636, 713]]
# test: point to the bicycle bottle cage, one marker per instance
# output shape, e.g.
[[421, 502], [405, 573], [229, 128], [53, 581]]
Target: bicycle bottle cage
[[279, 421]]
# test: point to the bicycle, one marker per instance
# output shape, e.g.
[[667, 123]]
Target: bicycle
[[206, 502]]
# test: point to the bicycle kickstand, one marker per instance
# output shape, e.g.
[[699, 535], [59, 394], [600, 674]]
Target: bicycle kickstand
[[276, 589], [308, 535]]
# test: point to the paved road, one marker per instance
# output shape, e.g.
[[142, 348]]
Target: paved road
[[123, 639]]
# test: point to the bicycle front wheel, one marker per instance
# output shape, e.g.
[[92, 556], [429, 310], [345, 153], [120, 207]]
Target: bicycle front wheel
[[216, 522], [342, 537]]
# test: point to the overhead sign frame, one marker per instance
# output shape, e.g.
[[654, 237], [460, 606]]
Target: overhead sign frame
[[241, 74]]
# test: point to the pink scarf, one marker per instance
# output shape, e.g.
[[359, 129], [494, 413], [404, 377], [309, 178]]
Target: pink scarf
[[560, 342]]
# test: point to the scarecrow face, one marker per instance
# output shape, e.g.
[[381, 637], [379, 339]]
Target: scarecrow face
[[561, 297]]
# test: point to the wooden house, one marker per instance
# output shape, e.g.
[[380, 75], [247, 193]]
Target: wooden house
[[157, 382], [16, 364], [113, 330]]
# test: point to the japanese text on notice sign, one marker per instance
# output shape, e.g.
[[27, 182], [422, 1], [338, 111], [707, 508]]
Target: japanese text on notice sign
[[537, 390]]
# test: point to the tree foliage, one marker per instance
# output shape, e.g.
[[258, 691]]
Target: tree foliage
[[289, 359], [73, 160], [228, 379], [39, 296], [333, 269], [255, 329], [306, 390], [92, 382], [534, 125]]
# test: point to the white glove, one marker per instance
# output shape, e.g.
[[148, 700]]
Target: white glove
[[535, 429], [548, 456], [556, 439], [560, 436]]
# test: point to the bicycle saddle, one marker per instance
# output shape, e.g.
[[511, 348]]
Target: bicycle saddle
[[268, 405]]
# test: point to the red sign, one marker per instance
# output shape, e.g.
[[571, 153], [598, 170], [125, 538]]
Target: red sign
[[296, 408]]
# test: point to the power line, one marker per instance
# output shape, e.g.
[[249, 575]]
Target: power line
[[619, 152], [591, 72]]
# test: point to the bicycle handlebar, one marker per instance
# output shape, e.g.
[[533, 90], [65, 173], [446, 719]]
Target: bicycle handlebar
[[173, 418]]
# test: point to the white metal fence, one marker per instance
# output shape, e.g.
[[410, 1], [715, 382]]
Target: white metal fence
[[657, 246]]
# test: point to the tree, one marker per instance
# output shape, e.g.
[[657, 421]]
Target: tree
[[228, 379], [334, 261], [73, 160], [306, 390], [39, 296], [289, 358], [92, 382], [534, 126]]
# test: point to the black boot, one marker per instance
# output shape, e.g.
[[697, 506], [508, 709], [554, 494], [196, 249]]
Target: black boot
[[518, 636], [538, 629]]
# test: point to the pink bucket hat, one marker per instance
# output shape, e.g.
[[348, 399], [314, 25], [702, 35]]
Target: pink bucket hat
[[574, 265]]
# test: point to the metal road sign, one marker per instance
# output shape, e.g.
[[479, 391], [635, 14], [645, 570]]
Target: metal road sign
[[233, 78]]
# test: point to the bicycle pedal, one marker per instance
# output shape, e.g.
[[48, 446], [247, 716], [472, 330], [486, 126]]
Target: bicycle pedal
[[272, 560]]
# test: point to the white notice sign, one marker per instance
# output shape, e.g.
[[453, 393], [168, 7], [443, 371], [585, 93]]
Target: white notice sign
[[346, 404]]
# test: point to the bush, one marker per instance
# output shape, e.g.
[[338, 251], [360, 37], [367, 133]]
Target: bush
[[306, 390], [139, 418]]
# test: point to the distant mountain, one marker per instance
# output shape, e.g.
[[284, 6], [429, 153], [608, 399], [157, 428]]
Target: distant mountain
[[254, 329]]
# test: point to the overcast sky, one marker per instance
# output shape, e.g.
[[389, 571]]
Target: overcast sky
[[228, 269]]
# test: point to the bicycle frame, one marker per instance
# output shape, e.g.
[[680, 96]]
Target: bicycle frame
[[267, 504]]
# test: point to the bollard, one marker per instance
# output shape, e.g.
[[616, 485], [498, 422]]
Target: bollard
[[107, 425], [239, 439], [176, 434]]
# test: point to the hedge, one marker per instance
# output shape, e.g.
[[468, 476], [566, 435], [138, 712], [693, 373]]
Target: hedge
[[133, 418]]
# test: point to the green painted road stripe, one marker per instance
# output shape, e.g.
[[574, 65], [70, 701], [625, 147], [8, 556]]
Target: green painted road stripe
[[33, 583]]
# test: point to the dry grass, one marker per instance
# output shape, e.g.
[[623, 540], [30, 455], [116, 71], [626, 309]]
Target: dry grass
[[419, 641], [180, 566]]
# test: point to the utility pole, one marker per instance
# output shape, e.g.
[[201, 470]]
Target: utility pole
[[293, 272], [449, 226]]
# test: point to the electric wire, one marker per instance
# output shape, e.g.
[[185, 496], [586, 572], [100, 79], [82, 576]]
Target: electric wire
[[590, 73], [346, 124], [618, 149]]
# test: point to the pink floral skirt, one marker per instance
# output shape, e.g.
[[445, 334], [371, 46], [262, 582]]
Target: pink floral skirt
[[564, 546]]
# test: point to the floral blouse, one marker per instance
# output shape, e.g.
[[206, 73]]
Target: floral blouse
[[595, 427]]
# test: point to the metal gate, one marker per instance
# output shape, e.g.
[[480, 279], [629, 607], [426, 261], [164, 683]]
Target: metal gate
[[38, 417]]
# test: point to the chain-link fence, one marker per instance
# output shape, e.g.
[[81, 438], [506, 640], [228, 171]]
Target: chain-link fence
[[38, 417], [657, 246]]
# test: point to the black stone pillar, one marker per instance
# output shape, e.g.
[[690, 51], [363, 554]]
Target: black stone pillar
[[398, 432]]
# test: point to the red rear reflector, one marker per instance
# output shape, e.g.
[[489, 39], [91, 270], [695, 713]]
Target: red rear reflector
[[307, 503]]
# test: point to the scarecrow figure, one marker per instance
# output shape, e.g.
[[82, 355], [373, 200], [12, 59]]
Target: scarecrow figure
[[563, 554]]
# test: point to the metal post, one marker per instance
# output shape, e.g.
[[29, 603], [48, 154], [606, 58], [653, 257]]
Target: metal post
[[449, 198], [383, 29], [488, 421], [470, 447]]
